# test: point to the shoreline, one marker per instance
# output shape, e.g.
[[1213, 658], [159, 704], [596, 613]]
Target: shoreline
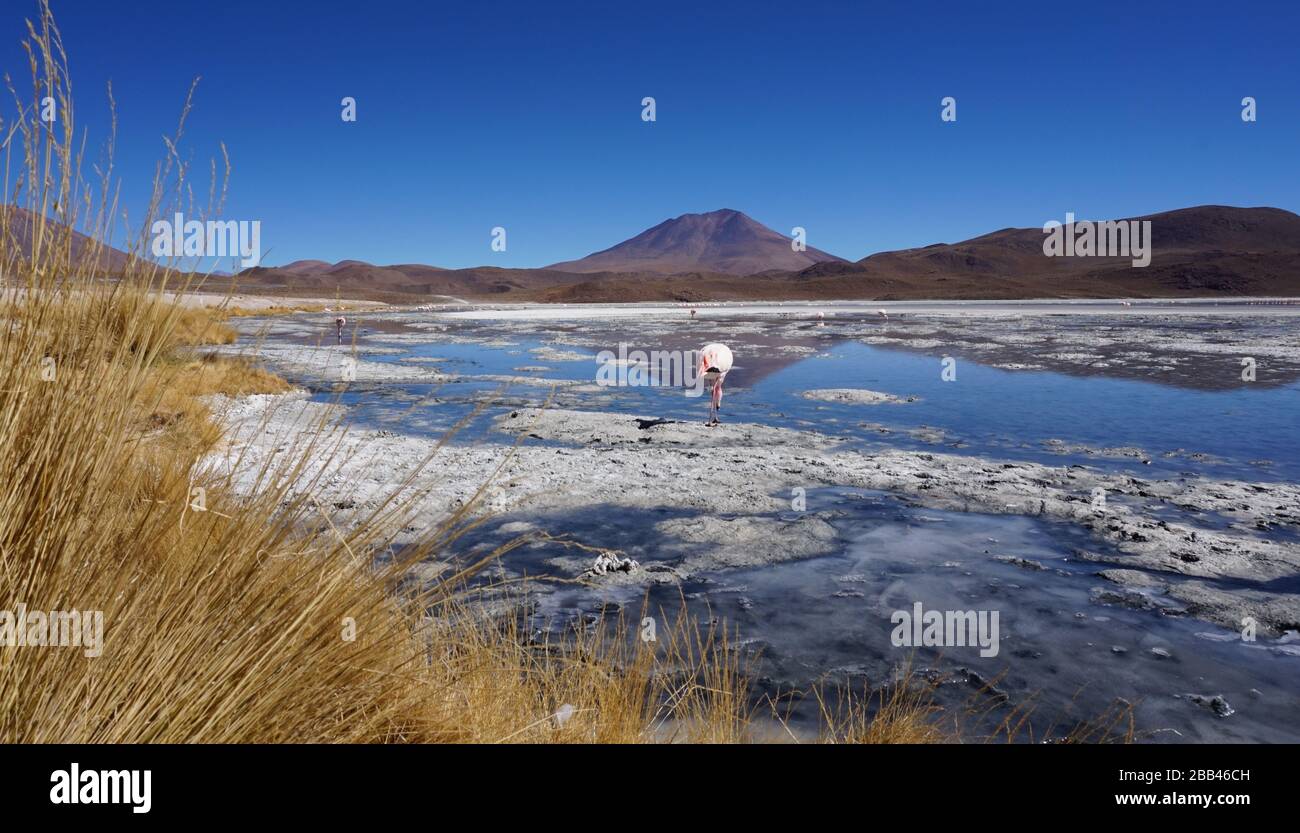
[[485, 307], [608, 460]]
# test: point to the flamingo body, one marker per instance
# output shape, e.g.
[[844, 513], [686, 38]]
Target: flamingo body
[[715, 364], [715, 357]]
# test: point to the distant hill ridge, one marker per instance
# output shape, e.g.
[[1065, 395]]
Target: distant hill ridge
[[725, 255]]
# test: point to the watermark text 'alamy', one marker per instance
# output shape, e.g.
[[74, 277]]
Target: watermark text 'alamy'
[[1108, 238], [179, 237]]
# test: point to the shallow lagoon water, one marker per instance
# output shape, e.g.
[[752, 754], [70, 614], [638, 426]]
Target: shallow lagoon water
[[1063, 658], [1241, 431], [1062, 652]]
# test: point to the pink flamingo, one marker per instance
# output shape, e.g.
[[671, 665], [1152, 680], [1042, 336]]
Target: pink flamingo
[[339, 323], [715, 363]]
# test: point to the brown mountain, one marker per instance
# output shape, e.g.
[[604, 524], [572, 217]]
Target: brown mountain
[[399, 282], [1207, 250], [22, 226], [1202, 251], [307, 267], [1210, 248], [723, 241]]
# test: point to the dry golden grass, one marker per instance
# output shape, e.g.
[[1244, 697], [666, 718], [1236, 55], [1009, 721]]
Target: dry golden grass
[[232, 621], [174, 391], [904, 713], [275, 309], [201, 326]]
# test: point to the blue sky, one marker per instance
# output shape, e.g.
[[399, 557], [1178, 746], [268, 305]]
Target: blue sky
[[820, 115]]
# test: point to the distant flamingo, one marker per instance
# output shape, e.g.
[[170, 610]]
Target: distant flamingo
[[882, 313], [821, 319], [715, 363], [692, 315], [339, 323]]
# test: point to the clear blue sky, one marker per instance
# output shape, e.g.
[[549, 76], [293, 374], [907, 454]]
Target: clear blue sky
[[821, 115]]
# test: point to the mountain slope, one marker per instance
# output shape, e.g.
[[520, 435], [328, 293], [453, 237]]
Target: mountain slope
[[23, 226], [724, 241], [1200, 251], [1209, 248]]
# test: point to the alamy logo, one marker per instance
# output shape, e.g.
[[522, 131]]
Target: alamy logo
[[946, 629], [109, 786], [1109, 238], [179, 237], [658, 368], [23, 628]]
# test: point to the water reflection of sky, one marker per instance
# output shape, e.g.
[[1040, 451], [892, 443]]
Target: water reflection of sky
[[829, 618], [985, 411]]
